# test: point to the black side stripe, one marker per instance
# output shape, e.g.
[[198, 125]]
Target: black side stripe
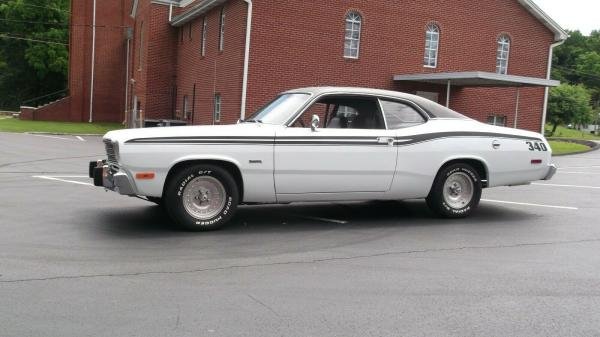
[[417, 139], [321, 140]]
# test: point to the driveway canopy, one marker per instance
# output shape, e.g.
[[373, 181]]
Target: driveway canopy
[[478, 79]]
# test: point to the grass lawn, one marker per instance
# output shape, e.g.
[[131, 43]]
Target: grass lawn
[[563, 132], [10, 124], [566, 148]]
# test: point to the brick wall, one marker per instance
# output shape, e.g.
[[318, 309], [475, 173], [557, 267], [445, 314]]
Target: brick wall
[[297, 44], [215, 73], [56, 111], [153, 66], [112, 18]]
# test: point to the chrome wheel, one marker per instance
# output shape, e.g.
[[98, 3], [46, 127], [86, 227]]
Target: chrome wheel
[[458, 190], [204, 197]]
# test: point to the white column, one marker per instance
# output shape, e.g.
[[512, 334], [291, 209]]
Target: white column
[[93, 64], [517, 106], [448, 88]]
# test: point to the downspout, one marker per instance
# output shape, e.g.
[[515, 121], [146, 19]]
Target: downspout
[[93, 61], [128, 36], [547, 90], [171, 12], [246, 60]]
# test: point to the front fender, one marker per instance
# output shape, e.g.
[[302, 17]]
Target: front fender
[[220, 158]]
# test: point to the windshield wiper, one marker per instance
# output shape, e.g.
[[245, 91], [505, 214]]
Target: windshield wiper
[[253, 121]]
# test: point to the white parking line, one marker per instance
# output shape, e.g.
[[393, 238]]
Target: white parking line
[[571, 186], [59, 178], [565, 172], [528, 204], [577, 167], [80, 138], [53, 137]]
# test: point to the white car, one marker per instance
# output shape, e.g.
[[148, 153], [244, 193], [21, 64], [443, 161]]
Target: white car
[[322, 144]]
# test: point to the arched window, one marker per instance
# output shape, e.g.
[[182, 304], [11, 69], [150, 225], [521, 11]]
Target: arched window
[[502, 55], [352, 41], [432, 44]]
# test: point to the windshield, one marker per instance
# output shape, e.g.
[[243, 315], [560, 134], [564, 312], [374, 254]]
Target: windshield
[[280, 110]]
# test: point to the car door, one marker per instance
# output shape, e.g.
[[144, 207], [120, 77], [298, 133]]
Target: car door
[[352, 151]]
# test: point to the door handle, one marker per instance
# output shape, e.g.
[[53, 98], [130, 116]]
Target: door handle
[[385, 140]]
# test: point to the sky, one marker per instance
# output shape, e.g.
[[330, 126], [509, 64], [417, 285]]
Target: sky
[[583, 15]]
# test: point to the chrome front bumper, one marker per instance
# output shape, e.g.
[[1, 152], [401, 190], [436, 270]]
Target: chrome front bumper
[[551, 171], [115, 181]]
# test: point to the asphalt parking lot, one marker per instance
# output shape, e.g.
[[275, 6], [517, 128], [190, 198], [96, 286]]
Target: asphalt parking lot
[[78, 261]]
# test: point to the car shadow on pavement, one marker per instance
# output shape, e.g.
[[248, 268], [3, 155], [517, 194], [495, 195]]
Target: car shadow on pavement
[[152, 221]]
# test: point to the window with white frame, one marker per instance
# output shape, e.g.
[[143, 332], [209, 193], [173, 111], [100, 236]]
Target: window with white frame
[[497, 120], [432, 44], [352, 41], [502, 55], [217, 112], [222, 29], [203, 39]]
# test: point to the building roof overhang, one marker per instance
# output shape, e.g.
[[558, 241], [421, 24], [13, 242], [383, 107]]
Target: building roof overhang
[[197, 10], [477, 79], [559, 33]]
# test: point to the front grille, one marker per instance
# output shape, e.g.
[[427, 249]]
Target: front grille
[[111, 155]]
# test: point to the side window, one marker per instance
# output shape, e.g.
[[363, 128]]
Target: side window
[[400, 115], [348, 112]]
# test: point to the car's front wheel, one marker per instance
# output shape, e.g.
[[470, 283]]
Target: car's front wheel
[[201, 197], [456, 191]]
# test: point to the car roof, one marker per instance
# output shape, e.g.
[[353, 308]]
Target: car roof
[[353, 90], [434, 110]]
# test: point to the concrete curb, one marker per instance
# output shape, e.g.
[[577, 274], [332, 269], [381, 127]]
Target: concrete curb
[[594, 145]]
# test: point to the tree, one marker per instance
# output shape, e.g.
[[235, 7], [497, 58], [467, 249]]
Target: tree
[[588, 67], [565, 57], [32, 68], [569, 104]]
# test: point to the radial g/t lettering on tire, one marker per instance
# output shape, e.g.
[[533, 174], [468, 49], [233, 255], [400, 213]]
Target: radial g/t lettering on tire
[[456, 191], [201, 197]]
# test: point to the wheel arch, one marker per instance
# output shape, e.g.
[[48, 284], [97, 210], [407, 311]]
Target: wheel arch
[[228, 164], [478, 163]]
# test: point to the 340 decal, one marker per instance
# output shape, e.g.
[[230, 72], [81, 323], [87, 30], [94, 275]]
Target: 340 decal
[[537, 146]]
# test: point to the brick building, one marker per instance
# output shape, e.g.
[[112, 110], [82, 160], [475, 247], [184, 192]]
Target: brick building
[[215, 61]]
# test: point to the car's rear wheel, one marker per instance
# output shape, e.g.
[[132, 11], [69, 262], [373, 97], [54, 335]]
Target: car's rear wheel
[[201, 197], [456, 191]]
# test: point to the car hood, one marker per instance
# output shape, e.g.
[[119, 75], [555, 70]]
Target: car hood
[[234, 130]]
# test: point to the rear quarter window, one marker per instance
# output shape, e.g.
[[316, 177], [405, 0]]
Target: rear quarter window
[[436, 110], [400, 115]]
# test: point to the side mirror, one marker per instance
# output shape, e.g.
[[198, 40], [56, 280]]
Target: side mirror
[[314, 124]]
